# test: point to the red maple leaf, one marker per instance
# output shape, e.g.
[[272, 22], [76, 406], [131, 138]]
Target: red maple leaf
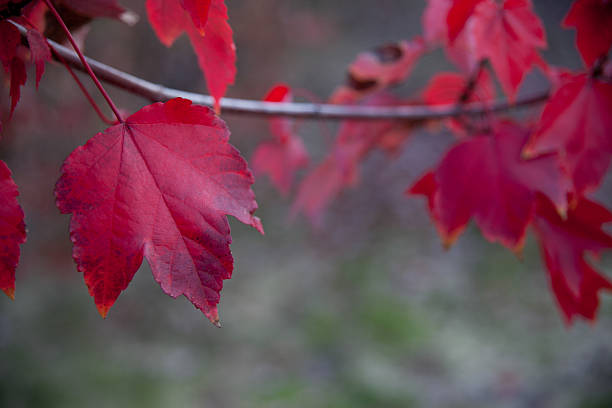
[[198, 9], [215, 49], [458, 15], [286, 154], [39, 50], [355, 140], [485, 178], [449, 88], [13, 55], [565, 243], [509, 36], [576, 122], [11, 61], [378, 69], [435, 27], [593, 22], [159, 184], [12, 230]]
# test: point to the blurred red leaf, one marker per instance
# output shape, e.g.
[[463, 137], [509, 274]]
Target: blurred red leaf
[[354, 141], [457, 16], [565, 243], [215, 50], [593, 22], [576, 123], [159, 184], [39, 50], [12, 230], [378, 69], [286, 154], [509, 36], [485, 178], [449, 88]]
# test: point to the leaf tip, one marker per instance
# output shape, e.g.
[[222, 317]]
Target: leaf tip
[[10, 292], [256, 223], [103, 310]]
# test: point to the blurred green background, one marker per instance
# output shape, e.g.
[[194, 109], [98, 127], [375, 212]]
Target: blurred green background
[[368, 311]]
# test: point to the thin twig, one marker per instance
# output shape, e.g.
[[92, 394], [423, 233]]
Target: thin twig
[[84, 65], [160, 93]]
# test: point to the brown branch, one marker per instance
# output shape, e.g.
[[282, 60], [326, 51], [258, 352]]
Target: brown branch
[[157, 93]]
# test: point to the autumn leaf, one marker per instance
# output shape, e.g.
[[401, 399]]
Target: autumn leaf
[[565, 242], [576, 122], [509, 35], [458, 14], [485, 178], [11, 60], [449, 88], [340, 169], [39, 50], [158, 185], [378, 69], [593, 22], [216, 51], [198, 10], [12, 230], [286, 154]]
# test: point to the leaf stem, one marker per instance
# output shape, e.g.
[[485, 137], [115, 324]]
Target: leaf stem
[[88, 69]]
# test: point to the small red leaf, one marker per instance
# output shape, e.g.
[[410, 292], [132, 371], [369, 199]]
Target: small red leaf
[[378, 69], [158, 185], [485, 178], [12, 230], [216, 50], [593, 22], [40, 52], [286, 154], [448, 88], [509, 35], [576, 122], [11, 61], [565, 242], [340, 169]]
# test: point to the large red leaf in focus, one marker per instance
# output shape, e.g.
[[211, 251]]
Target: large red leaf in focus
[[159, 184], [283, 156], [378, 69], [565, 242], [509, 35], [215, 49], [593, 22], [576, 122], [12, 230], [485, 178]]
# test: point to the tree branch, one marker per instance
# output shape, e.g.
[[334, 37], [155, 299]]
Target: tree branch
[[159, 93]]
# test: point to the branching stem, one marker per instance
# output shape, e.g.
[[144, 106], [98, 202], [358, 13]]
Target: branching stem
[[83, 61], [159, 93]]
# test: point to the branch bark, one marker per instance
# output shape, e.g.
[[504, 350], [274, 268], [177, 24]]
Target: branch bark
[[160, 93]]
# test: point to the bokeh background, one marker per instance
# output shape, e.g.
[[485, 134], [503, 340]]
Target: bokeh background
[[367, 311]]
